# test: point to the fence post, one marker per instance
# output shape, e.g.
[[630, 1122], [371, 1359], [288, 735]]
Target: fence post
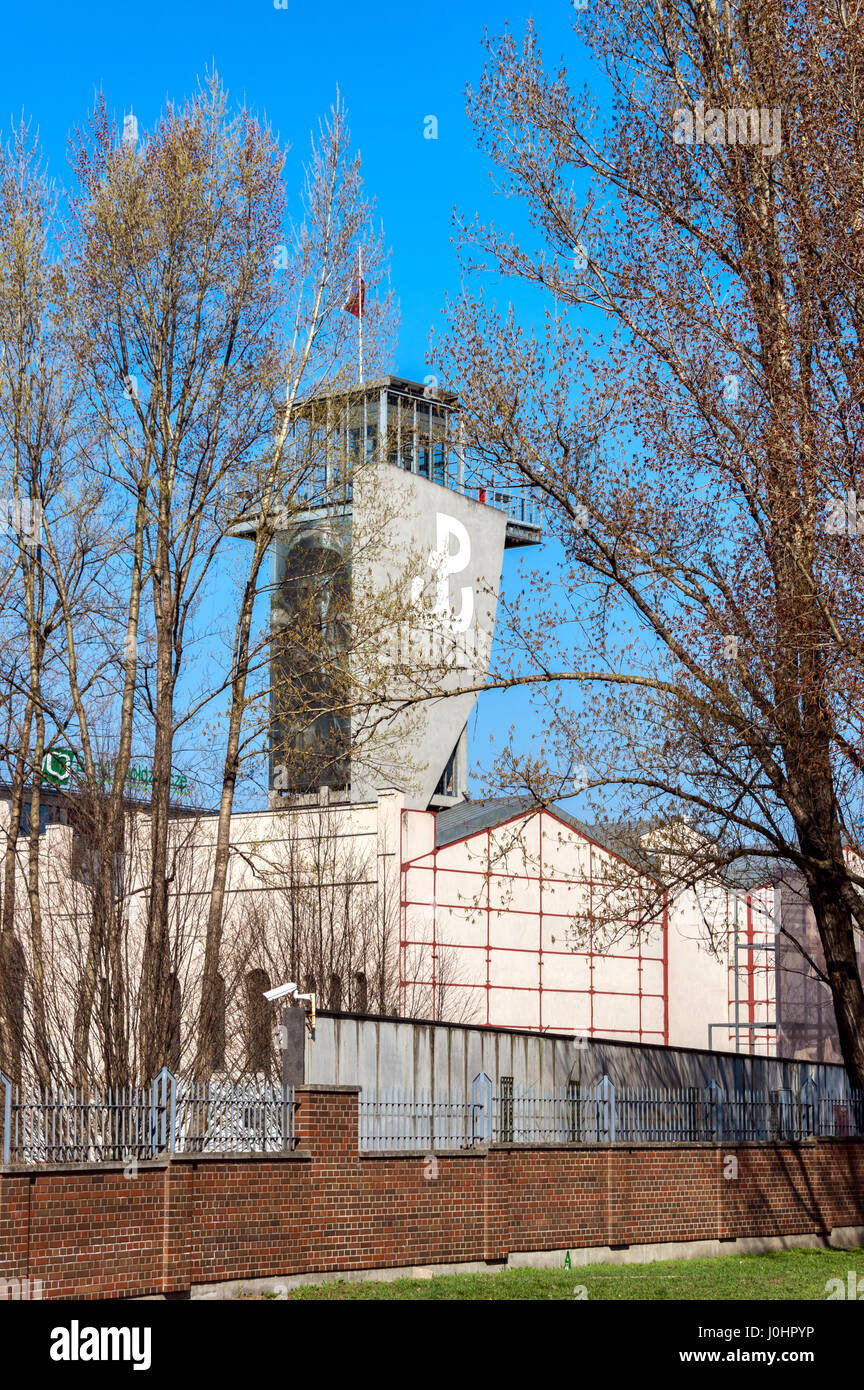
[[605, 1093], [7, 1116], [806, 1108], [714, 1102], [481, 1098], [288, 1117], [163, 1097], [784, 1114]]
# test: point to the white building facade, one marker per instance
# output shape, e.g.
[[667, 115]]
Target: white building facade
[[497, 914]]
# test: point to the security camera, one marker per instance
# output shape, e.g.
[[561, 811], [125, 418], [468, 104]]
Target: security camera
[[280, 991], [307, 997]]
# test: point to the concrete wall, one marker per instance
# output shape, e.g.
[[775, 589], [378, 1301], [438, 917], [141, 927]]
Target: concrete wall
[[415, 538], [381, 1054], [701, 975]]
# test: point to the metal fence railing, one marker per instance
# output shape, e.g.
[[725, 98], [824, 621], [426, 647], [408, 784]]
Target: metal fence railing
[[519, 505], [65, 1124], [602, 1114], [402, 1120], [174, 1116]]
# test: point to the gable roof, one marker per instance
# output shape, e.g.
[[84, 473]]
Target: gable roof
[[752, 871], [621, 839], [471, 817]]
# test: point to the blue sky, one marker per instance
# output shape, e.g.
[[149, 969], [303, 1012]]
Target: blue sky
[[394, 66]]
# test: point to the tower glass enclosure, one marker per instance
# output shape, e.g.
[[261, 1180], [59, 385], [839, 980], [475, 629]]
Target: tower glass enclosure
[[398, 422]]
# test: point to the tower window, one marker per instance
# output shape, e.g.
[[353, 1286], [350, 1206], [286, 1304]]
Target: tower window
[[447, 782]]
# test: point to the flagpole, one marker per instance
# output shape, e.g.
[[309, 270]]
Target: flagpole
[[360, 308]]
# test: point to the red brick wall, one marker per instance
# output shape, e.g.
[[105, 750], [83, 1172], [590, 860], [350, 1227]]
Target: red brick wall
[[89, 1231]]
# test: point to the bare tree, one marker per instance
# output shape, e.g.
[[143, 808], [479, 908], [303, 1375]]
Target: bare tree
[[177, 310], [70, 889], [144, 361], [321, 911], [56, 548], [316, 265], [700, 649]]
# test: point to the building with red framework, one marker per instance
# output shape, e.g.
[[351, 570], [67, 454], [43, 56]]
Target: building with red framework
[[523, 919], [498, 913]]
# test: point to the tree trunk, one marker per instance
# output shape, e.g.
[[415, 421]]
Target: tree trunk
[[208, 1022], [836, 932], [9, 1030]]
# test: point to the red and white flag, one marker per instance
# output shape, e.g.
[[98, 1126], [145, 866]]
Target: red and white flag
[[354, 304]]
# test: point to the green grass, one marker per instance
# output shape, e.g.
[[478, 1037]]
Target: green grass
[[796, 1274]]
